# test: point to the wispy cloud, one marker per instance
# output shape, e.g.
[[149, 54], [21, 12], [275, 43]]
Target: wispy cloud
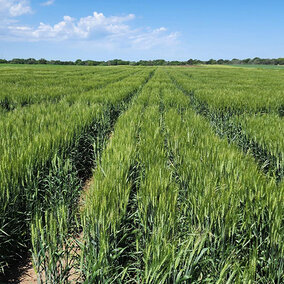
[[14, 8], [97, 28], [48, 3]]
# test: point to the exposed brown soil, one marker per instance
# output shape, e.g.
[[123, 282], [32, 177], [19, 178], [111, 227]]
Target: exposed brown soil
[[20, 273], [28, 276]]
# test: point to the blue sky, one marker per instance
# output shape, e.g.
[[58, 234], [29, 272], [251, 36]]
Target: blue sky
[[136, 29]]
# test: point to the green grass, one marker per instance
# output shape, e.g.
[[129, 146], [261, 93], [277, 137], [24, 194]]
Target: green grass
[[185, 164]]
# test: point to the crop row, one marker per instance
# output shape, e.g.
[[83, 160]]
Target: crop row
[[33, 88], [172, 202], [33, 138], [265, 135], [233, 90], [250, 125]]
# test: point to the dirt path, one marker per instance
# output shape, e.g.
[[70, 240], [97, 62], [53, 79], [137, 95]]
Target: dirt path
[[22, 273], [28, 276]]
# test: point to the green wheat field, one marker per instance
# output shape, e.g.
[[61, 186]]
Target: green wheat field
[[142, 174]]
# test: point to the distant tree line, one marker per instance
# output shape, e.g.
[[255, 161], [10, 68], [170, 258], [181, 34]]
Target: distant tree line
[[158, 62]]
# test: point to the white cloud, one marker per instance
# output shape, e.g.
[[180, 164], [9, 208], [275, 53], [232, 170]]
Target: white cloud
[[91, 27], [48, 3], [14, 8], [113, 31]]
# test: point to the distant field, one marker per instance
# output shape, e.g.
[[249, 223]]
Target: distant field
[[143, 174], [260, 66]]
